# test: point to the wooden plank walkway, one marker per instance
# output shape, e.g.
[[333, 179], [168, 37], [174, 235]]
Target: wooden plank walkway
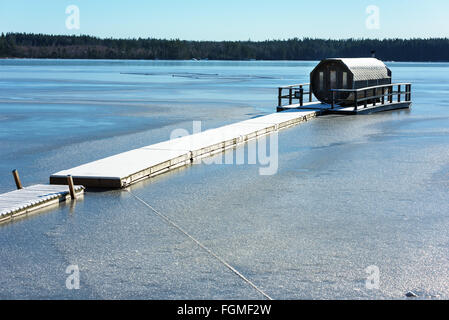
[[346, 110], [124, 169], [26, 200], [370, 108]]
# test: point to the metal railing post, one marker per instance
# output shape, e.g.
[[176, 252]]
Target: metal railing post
[[333, 100], [365, 103], [301, 96], [290, 96], [280, 97], [399, 93]]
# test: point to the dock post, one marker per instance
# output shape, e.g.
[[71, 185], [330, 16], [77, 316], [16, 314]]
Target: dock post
[[15, 173], [71, 187]]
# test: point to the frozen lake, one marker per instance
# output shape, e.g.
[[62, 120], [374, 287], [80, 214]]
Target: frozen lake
[[350, 192]]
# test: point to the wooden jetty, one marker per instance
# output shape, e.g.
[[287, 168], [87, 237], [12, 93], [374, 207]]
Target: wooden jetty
[[124, 169], [26, 200], [347, 86], [374, 99], [366, 100]]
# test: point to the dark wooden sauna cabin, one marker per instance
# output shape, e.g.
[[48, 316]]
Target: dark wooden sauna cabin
[[348, 73], [347, 86]]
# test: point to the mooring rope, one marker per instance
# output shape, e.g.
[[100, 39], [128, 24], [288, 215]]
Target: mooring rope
[[169, 221]]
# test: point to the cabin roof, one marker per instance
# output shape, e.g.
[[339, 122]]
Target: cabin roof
[[366, 68]]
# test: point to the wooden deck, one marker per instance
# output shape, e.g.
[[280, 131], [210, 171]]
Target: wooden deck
[[20, 202], [365, 100], [314, 106], [124, 169], [324, 109], [370, 108]]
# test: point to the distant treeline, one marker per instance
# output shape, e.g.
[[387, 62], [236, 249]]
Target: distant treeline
[[22, 45]]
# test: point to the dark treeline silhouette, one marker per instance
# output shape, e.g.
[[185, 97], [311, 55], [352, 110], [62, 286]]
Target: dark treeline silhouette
[[23, 45]]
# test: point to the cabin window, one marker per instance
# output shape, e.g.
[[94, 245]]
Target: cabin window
[[345, 80], [333, 79], [321, 81]]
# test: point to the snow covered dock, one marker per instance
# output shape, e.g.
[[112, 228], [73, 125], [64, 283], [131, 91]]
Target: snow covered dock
[[124, 169], [29, 199]]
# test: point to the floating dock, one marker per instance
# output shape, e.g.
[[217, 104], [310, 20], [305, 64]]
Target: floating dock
[[124, 169], [343, 86], [20, 202], [325, 109]]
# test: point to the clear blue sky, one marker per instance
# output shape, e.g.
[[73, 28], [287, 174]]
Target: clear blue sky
[[229, 19]]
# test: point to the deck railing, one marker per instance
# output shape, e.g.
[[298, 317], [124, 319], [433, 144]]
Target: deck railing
[[376, 95], [295, 92]]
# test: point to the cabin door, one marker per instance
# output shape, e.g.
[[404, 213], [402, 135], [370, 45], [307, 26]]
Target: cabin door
[[331, 79]]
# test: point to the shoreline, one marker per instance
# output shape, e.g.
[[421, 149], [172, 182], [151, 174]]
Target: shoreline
[[206, 60]]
